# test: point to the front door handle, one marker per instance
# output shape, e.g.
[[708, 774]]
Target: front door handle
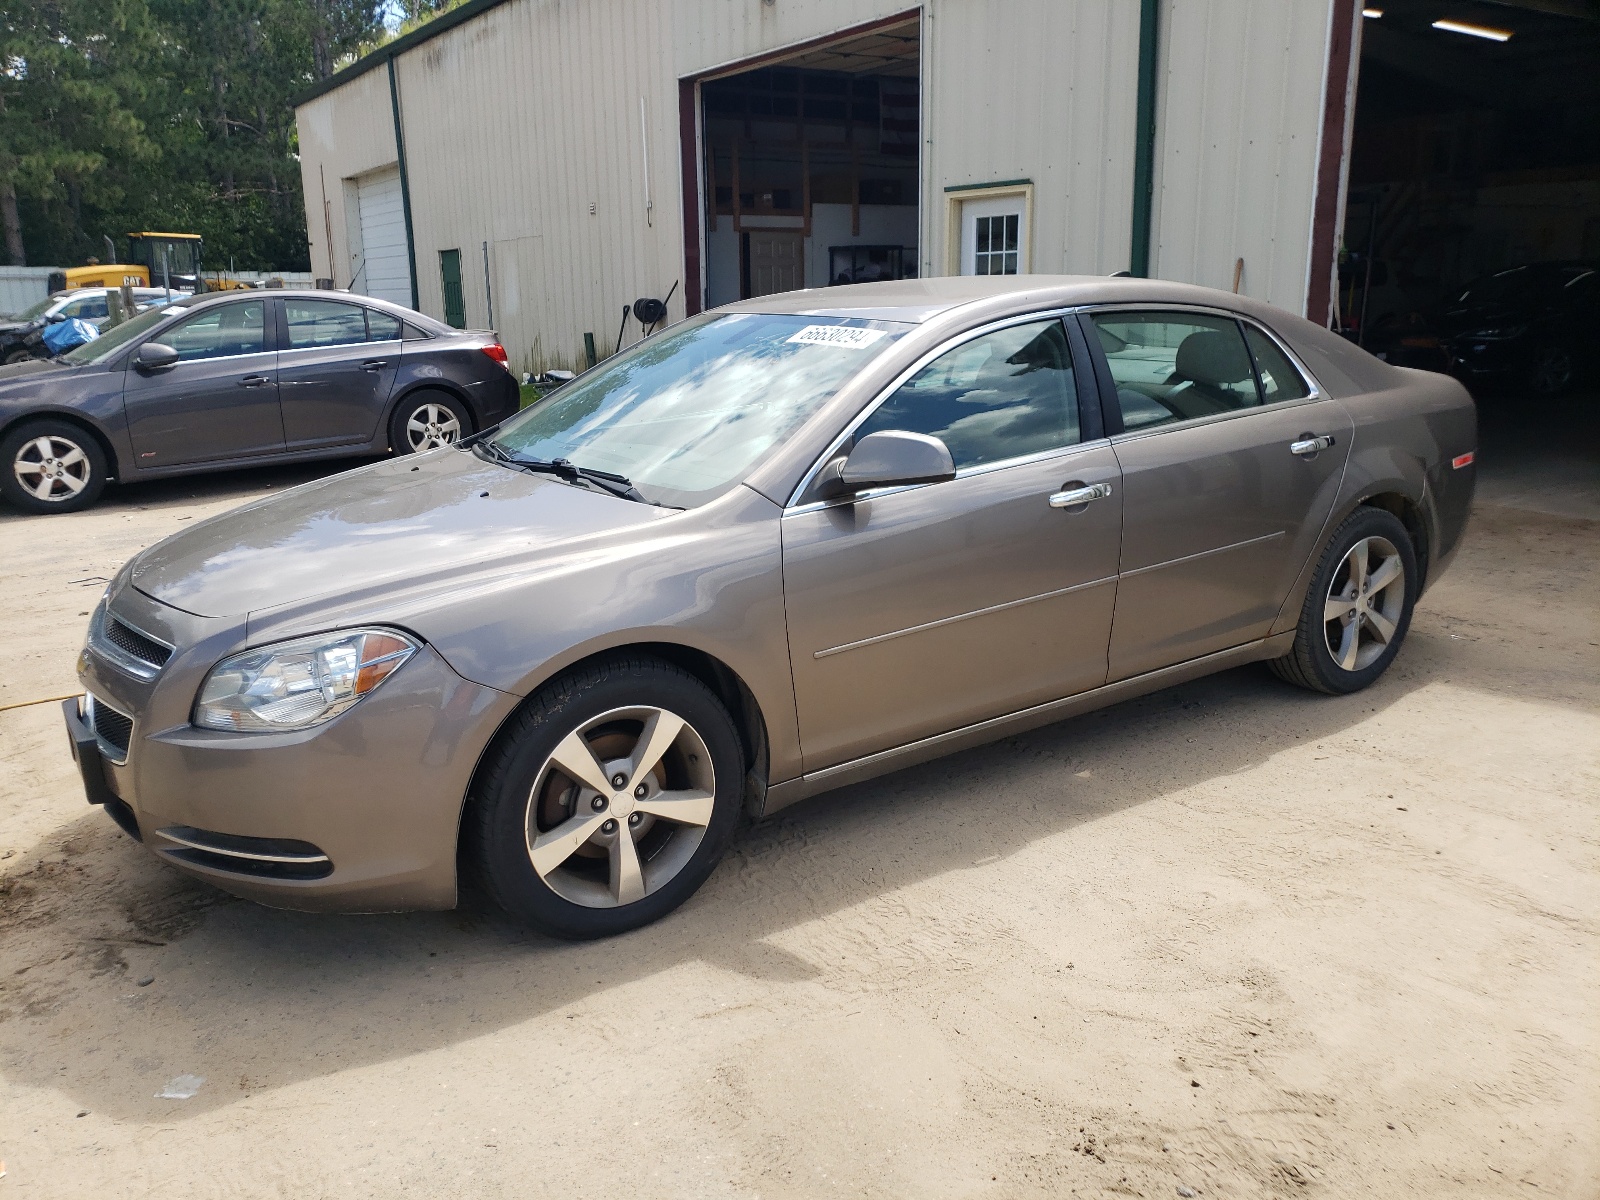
[[373, 364], [253, 381], [1311, 444], [1072, 497]]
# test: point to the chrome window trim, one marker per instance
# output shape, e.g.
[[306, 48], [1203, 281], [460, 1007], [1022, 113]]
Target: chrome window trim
[[116, 655], [1316, 394], [889, 389], [109, 751]]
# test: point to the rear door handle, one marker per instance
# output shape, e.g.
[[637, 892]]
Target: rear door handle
[[1072, 497], [253, 381], [1311, 445], [373, 364]]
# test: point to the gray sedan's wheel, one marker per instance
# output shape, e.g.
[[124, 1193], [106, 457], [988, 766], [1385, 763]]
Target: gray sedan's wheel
[[1358, 607], [609, 799], [426, 420], [51, 466]]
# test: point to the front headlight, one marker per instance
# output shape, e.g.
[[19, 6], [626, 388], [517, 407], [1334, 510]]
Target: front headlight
[[295, 685]]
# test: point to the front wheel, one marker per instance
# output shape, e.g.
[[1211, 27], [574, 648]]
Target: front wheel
[[1552, 370], [51, 467], [1358, 607], [609, 799], [426, 420]]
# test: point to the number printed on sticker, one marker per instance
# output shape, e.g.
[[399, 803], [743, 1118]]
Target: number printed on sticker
[[848, 336]]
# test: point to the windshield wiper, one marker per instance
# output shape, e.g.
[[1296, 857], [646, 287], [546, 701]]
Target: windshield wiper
[[562, 468]]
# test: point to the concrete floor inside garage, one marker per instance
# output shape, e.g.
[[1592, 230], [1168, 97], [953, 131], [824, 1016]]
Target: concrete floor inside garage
[[1232, 937]]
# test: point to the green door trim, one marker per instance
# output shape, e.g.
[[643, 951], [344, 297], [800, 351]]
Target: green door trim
[[455, 300], [1144, 146]]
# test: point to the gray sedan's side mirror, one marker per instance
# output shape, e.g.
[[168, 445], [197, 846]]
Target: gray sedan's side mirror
[[153, 356], [889, 458]]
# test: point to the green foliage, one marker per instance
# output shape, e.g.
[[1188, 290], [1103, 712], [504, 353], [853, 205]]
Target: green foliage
[[119, 115]]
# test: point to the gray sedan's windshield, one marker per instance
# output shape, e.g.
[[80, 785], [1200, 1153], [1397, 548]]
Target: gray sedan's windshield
[[685, 414], [113, 339]]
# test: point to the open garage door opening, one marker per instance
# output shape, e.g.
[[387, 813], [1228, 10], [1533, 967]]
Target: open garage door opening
[[1472, 228], [810, 167]]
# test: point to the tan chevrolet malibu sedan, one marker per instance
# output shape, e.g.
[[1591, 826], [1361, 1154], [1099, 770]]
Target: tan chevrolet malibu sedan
[[787, 545]]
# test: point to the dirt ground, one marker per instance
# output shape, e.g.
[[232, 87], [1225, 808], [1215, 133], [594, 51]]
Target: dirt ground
[[1232, 938]]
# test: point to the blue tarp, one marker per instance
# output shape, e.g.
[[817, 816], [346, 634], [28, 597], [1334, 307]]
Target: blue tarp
[[61, 336]]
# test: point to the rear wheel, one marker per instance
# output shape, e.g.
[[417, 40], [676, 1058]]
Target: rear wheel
[[609, 800], [1552, 370], [51, 467], [1358, 607], [426, 420]]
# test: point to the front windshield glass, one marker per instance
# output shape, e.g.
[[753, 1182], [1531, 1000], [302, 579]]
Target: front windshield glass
[[35, 311], [113, 339], [685, 414]]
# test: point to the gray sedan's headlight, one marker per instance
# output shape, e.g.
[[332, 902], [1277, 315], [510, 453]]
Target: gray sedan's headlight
[[295, 685]]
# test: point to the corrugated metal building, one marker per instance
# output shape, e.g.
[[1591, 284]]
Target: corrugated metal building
[[534, 165]]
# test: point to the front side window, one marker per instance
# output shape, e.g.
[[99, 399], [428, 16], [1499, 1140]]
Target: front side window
[[316, 323], [999, 396], [87, 308], [221, 332], [685, 414], [1174, 366]]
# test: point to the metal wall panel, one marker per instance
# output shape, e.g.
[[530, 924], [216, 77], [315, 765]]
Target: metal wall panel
[[1239, 107], [344, 134]]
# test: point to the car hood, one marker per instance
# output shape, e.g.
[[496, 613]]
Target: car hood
[[406, 521], [27, 372], [11, 324]]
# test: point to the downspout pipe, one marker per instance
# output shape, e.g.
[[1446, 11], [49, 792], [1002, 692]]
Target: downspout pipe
[[1144, 146], [405, 180]]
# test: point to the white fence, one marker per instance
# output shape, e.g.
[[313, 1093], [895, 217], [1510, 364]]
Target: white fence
[[23, 287], [293, 279]]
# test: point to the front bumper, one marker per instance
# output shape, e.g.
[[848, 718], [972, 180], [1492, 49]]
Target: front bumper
[[358, 815]]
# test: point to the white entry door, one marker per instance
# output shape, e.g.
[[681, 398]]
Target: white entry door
[[777, 261], [383, 269], [994, 236]]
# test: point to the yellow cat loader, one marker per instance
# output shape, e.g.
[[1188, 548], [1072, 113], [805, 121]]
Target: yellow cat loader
[[154, 260]]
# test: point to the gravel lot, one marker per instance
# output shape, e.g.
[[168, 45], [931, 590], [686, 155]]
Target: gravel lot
[[1231, 938]]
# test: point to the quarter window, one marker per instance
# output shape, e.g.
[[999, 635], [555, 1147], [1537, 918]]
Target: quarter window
[[1170, 366], [1279, 379], [220, 332], [1003, 395], [314, 323]]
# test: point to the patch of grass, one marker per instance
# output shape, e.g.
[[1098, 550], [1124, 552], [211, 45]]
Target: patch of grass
[[530, 393]]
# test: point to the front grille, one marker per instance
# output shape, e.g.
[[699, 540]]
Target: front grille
[[114, 729], [143, 647], [266, 858]]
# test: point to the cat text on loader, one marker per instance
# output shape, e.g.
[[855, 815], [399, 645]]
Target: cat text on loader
[[169, 260]]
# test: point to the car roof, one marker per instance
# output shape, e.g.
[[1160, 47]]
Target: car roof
[[919, 300], [399, 310]]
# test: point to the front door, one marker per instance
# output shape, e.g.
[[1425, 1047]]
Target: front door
[[777, 261], [923, 609], [335, 370], [994, 235], [220, 400], [1230, 467]]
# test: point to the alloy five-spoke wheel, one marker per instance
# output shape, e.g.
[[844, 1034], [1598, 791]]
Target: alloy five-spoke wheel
[[51, 466], [620, 806], [607, 799], [1365, 601], [426, 420], [1358, 607]]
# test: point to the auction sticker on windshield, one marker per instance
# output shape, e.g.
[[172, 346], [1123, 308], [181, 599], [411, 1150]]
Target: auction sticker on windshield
[[836, 335]]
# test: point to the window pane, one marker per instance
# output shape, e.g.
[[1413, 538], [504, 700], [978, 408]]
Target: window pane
[[219, 332], [983, 236], [1011, 232], [1279, 379], [323, 323], [381, 327], [1172, 366], [1003, 395]]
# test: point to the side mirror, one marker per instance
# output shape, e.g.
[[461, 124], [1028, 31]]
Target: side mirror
[[153, 356], [55, 318], [889, 458]]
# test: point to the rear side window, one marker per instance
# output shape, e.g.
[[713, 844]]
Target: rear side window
[[413, 334], [220, 332], [381, 327], [314, 323], [1003, 395], [1175, 366], [1279, 379]]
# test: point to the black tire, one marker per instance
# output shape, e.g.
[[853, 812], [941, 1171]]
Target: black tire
[[1552, 370], [425, 405], [15, 356], [51, 466], [1381, 618], [512, 803]]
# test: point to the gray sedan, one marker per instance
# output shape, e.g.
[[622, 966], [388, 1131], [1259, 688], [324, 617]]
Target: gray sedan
[[784, 546]]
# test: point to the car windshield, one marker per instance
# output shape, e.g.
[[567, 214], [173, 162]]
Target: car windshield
[[35, 311], [685, 414], [113, 339]]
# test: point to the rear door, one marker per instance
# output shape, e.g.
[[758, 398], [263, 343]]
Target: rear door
[[1231, 461], [919, 610], [220, 400], [336, 368]]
